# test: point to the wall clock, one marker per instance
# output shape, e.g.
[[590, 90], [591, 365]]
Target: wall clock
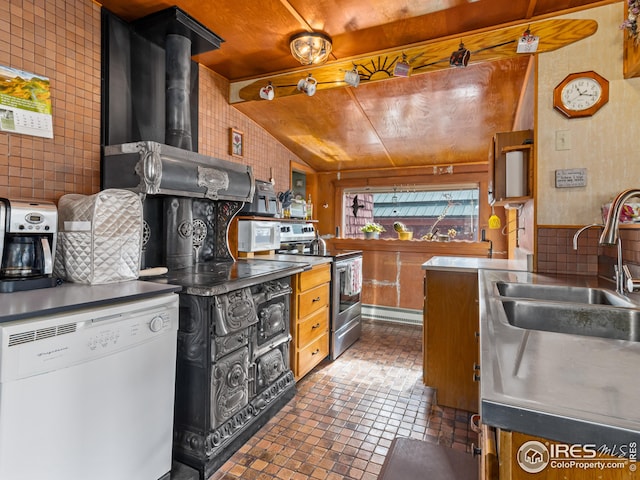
[[581, 94]]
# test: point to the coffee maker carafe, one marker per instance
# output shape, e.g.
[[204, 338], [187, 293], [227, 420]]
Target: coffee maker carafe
[[27, 244]]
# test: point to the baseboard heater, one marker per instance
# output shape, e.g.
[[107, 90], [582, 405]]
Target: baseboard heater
[[392, 314]]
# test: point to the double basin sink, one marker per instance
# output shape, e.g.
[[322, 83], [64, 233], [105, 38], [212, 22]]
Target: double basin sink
[[594, 312]]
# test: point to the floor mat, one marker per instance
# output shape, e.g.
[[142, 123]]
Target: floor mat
[[410, 458]]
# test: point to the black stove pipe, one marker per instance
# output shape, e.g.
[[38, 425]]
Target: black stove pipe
[[178, 83], [179, 249]]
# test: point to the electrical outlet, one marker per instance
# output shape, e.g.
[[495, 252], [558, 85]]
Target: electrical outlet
[[563, 140]]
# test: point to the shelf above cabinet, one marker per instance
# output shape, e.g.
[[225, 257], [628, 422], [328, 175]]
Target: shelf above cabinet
[[511, 168]]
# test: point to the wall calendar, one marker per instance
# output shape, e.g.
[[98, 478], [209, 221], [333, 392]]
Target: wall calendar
[[25, 103]]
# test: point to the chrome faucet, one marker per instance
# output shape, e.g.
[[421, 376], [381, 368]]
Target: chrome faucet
[[577, 234], [622, 273], [610, 236]]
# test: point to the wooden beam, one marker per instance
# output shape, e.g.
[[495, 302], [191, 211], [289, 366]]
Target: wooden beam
[[424, 57]]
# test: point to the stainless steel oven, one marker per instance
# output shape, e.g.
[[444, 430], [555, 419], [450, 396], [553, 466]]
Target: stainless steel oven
[[346, 286]]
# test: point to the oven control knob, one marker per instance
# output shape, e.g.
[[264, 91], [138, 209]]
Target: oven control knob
[[155, 325]]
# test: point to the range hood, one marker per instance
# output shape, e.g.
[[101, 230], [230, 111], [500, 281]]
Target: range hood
[[156, 169], [172, 168]]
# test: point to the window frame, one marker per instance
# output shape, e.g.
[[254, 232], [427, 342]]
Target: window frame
[[403, 189]]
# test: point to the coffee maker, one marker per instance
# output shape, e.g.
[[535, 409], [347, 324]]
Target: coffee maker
[[27, 244]]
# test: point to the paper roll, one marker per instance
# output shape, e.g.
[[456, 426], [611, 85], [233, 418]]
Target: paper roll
[[515, 175]]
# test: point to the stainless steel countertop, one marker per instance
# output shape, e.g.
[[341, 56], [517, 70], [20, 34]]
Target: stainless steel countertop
[[472, 264], [569, 388]]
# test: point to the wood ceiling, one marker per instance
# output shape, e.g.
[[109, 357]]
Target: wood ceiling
[[441, 116]]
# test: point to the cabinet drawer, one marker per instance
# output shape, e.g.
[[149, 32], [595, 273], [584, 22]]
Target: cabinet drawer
[[314, 277], [312, 355], [313, 300], [312, 327]]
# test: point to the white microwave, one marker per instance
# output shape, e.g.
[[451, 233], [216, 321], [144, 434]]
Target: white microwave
[[258, 236]]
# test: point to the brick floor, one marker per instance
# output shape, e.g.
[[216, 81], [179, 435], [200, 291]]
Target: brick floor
[[346, 413]]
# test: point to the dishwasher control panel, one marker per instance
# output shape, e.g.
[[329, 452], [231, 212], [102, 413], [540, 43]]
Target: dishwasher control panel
[[104, 339]]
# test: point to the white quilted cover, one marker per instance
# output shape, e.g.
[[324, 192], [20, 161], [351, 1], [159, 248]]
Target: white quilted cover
[[108, 247]]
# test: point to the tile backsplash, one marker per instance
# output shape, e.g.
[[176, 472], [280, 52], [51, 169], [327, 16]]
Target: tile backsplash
[[557, 256], [59, 39]]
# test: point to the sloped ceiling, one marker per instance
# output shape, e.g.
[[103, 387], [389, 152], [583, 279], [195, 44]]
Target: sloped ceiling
[[446, 116]]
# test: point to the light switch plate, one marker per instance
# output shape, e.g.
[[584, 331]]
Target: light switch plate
[[563, 140]]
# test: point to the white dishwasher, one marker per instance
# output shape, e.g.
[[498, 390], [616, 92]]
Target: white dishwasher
[[89, 394]]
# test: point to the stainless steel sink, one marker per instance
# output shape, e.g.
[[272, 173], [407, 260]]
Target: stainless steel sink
[[574, 318], [561, 293]]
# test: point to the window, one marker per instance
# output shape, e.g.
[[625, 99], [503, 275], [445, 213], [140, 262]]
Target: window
[[426, 211]]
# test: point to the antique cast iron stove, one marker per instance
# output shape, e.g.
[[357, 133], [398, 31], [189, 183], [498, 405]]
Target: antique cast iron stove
[[233, 369]]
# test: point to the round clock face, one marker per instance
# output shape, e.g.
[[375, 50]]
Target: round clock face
[[581, 94]]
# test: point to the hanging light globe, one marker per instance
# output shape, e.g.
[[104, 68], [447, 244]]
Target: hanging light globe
[[310, 48]]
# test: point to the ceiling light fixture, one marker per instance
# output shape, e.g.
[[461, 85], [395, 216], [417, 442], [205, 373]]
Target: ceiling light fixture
[[310, 48]]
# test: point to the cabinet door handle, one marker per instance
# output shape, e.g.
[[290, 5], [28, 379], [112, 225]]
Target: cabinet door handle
[[317, 299], [476, 377], [476, 366], [474, 423], [317, 351], [315, 326]]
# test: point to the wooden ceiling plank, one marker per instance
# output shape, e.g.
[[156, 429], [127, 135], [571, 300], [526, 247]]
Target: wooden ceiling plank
[[303, 23], [367, 119]]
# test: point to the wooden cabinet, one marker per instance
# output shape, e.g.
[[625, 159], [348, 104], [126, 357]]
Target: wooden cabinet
[[488, 450], [310, 302], [450, 343], [502, 144]]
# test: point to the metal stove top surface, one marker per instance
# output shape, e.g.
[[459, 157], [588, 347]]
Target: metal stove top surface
[[333, 253], [221, 277]]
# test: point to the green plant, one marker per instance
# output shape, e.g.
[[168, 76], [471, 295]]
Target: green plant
[[372, 227], [399, 227]]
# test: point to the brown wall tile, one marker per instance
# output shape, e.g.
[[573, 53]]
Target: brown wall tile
[[68, 52], [556, 254]]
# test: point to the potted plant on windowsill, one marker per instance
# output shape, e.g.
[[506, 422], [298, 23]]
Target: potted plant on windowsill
[[403, 232], [372, 230]]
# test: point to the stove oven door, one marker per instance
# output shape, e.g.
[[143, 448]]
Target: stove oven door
[[229, 386], [346, 320], [272, 309]]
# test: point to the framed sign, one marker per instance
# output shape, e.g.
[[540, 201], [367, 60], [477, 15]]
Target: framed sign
[[236, 142]]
